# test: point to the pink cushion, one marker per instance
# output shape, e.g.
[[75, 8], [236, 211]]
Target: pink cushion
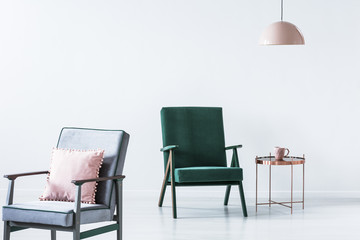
[[68, 165]]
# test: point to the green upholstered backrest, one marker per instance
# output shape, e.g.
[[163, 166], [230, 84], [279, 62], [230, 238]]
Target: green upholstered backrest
[[199, 132]]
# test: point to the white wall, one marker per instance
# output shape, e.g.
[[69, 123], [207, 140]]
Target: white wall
[[114, 64]]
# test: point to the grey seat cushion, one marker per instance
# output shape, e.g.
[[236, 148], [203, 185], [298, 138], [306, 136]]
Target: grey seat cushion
[[55, 213]]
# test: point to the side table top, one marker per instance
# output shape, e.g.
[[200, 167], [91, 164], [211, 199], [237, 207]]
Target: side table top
[[270, 160]]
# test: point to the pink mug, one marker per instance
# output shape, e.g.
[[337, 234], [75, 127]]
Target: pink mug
[[280, 153]]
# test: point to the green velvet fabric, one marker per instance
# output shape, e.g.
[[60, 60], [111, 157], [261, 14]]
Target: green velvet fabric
[[199, 132], [208, 174]]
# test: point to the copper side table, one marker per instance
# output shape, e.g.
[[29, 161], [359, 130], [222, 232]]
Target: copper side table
[[289, 160]]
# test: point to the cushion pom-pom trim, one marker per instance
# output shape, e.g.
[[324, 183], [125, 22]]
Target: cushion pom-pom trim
[[101, 153]]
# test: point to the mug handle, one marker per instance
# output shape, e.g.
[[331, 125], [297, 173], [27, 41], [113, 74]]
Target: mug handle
[[288, 151]]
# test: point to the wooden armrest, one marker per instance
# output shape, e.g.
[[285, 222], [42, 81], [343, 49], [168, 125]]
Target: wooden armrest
[[80, 182], [14, 176], [233, 147], [168, 148]]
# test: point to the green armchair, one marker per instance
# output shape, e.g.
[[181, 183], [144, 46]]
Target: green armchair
[[194, 152]]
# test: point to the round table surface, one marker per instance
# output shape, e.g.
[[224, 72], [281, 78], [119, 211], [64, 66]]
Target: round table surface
[[270, 160]]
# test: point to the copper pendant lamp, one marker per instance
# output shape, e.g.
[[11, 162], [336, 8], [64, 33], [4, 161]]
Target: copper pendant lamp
[[282, 33]]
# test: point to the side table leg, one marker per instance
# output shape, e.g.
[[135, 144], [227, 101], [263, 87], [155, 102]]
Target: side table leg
[[291, 188], [303, 197], [269, 185], [256, 191]]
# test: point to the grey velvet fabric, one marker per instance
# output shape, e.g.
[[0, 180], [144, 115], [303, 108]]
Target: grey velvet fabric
[[55, 213]]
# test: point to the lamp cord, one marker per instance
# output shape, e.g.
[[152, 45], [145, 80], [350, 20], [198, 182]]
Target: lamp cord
[[282, 9]]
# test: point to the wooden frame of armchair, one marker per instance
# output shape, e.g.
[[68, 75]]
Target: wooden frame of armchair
[[10, 226], [170, 169]]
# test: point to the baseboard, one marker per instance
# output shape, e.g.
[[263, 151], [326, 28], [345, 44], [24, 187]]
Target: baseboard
[[207, 190]]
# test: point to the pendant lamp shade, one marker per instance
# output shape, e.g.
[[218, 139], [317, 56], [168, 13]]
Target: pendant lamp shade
[[282, 33]]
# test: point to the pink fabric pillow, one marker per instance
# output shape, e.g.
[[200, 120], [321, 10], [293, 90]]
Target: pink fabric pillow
[[68, 165]]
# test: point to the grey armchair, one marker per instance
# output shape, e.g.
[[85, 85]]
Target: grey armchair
[[68, 216]]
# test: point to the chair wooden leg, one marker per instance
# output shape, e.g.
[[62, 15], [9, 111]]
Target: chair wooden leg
[[242, 197], [227, 194], [119, 231], [53, 234], [163, 188], [6, 231], [162, 194], [173, 192], [76, 234], [119, 210], [173, 195], [76, 224]]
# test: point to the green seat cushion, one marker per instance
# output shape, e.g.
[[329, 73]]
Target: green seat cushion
[[208, 174]]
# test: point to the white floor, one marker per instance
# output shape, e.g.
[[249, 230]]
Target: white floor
[[202, 216]]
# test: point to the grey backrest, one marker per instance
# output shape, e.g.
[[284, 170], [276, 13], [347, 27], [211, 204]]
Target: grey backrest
[[114, 142]]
